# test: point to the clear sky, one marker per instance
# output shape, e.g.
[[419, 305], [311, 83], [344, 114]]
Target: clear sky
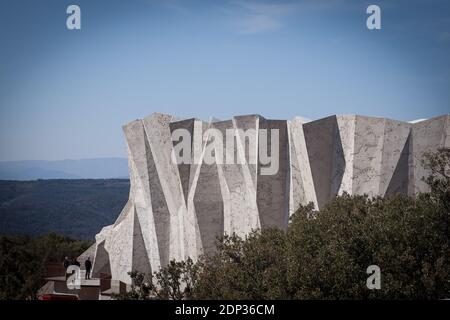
[[65, 94]]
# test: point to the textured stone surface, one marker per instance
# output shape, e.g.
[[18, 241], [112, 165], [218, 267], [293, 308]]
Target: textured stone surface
[[176, 210], [326, 157]]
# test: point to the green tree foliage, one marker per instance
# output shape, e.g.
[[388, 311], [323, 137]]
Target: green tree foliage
[[325, 254], [175, 281], [438, 163], [404, 236], [254, 268], [23, 262]]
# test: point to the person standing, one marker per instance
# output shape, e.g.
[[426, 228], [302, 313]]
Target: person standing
[[66, 264], [88, 266], [75, 262]]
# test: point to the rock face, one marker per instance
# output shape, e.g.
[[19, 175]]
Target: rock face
[[176, 209]]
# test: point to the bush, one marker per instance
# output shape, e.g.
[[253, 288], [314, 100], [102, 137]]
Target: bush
[[403, 236], [175, 281], [23, 262]]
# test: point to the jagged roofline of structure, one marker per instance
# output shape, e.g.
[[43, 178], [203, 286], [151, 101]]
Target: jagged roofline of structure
[[175, 211]]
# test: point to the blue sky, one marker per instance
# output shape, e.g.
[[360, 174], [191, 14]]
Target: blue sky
[[65, 94]]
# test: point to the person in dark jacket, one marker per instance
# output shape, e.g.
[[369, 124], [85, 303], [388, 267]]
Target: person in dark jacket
[[88, 266], [75, 262], [66, 264]]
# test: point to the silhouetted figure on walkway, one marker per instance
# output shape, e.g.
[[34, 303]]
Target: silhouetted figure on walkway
[[75, 262], [66, 264], [88, 266]]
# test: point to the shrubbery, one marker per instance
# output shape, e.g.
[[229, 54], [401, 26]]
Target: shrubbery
[[23, 262]]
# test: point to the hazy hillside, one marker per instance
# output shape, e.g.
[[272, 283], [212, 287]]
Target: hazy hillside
[[77, 208], [98, 168]]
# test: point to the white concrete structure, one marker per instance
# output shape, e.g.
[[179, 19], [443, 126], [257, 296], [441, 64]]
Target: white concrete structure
[[176, 210]]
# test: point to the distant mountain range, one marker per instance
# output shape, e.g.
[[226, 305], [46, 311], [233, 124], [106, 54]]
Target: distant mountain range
[[97, 168], [75, 208]]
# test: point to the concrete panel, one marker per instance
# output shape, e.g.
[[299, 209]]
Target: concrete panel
[[160, 144], [396, 134], [346, 125], [427, 136], [141, 261], [367, 159], [297, 140], [101, 261], [209, 206], [326, 157], [140, 196], [184, 169], [232, 185], [296, 189], [398, 183], [159, 208], [273, 190]]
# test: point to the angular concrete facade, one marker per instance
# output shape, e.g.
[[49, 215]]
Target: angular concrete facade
[[176, 210]]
